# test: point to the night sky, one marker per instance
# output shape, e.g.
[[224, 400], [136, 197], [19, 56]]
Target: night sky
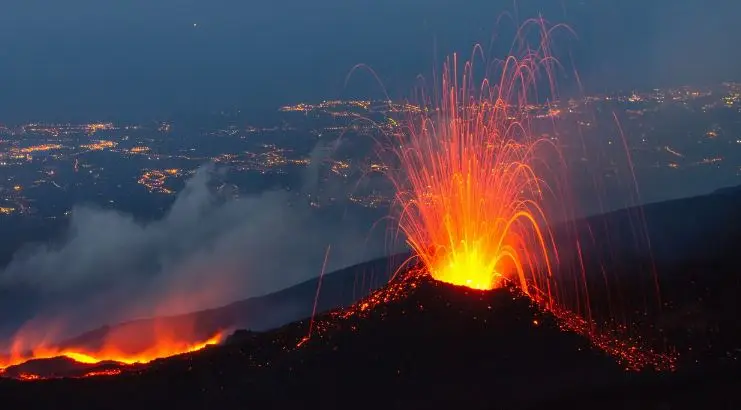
[[141, 58]]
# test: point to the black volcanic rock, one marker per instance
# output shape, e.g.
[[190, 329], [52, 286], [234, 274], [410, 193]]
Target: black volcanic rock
[[437, 345], [58, 367], [442, 346], [431, 345], [49, 367]]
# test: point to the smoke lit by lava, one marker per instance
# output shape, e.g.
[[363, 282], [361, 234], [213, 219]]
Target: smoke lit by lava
[[126, 344]]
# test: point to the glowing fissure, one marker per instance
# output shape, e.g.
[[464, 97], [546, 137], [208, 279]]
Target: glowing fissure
[[110, 352]]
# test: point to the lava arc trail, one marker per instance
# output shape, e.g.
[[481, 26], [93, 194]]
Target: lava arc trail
[[471, 189], [478, 192]]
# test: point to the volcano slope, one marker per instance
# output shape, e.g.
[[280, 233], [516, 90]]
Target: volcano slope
[[416, 343], [339, 289], [423, 344]]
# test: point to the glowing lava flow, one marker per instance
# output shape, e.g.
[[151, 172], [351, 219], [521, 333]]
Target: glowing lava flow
[[110, 352], [470, 198]]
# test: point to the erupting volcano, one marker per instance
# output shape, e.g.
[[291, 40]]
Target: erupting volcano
[[479, 194], [471, 189]]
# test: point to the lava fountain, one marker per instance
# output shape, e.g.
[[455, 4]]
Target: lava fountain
[[471, 189], [484, 200]]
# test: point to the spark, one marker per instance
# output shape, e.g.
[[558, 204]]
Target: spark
[[673, 152], [470, 198], [98, 373], [316, 297], [476, 191]]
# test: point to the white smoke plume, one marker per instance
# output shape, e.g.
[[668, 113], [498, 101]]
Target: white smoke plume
[[206, 251]]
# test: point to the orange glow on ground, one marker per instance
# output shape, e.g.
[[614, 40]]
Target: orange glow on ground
[[110, 352], [156, 334]]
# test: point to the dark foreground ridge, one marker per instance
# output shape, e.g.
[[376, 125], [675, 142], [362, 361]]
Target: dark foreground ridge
[[426, 345], [339, 289], [423, 344], [414, 344], [694, 250]]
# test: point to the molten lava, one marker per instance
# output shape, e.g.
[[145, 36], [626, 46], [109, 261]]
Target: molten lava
[[471, 196], [110, 351], [134, 342], [477, 192]]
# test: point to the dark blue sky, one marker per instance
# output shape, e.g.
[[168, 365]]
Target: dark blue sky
[[89, 58]]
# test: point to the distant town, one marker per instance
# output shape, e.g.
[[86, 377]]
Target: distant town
[[673, 135]]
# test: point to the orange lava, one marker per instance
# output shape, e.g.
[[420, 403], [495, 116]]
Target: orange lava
[[471, 195], [29, 376], [477, 190], [111, 352], [112, 372]]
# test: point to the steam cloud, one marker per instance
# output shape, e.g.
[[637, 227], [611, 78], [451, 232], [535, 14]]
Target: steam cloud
[[205, 252]]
